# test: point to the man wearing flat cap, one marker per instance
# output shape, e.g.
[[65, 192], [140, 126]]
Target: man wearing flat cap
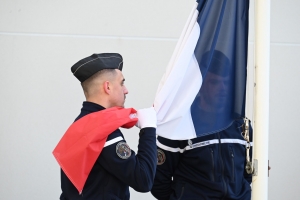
[[117, 167]]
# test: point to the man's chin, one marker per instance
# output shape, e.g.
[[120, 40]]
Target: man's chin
[[119, 105]]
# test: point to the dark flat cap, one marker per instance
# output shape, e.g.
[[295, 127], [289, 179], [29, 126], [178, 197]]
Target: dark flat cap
[[88, 66]]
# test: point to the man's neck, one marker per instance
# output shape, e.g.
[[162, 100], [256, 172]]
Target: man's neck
[[99, 101]]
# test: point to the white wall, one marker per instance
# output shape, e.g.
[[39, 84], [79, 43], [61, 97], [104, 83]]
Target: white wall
[[284, 100], [41, 40]]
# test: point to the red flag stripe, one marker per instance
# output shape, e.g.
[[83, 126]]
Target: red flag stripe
[[80, 146]]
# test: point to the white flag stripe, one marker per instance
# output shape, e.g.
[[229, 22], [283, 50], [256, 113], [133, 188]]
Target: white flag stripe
[[173, 80], [182, 39], [185, 33], [179, 89], [201, 144], [178, 121], [182, 61], [110, 142], [189, 32], [170, 89]]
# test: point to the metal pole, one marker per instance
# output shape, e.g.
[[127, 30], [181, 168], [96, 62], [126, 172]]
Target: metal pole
[[261, 104]]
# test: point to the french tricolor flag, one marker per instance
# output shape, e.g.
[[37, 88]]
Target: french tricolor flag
[[203, 89]]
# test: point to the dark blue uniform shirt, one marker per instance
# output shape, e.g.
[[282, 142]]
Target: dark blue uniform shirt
[[208, 168], [112, 175]]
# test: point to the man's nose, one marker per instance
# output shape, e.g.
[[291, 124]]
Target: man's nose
[[125, 90]]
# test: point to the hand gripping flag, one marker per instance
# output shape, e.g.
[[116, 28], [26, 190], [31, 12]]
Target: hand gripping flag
[[80, 146], [203, 89]]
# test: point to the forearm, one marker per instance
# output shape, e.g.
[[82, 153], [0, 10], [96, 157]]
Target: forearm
[[146, 159]]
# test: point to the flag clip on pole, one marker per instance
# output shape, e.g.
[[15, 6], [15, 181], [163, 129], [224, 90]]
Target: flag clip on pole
[[251, 167]]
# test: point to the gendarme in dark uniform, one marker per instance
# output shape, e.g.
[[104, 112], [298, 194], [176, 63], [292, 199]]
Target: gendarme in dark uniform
[[118, 167], [210, 167]]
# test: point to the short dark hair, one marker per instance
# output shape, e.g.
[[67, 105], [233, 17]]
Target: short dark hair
[[86, 85]]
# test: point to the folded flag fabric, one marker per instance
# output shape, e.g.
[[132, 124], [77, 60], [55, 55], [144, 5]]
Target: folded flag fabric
[[203, 89], [80, 146]]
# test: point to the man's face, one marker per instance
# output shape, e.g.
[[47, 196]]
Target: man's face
[[119, 90], [215, 89]]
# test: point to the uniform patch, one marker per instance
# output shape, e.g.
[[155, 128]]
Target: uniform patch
[[123, 150], [161, 157]]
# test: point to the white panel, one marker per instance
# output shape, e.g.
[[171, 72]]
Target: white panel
[[154, 18], [284, 119], [285, 21]]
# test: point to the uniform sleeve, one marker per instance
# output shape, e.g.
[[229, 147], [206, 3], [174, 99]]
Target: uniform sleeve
[[136, 170], [167, 160]]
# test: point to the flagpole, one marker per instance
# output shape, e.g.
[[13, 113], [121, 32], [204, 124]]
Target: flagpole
[[261, 104]]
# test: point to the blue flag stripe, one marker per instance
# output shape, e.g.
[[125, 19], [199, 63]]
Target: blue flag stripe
[[203, 89]]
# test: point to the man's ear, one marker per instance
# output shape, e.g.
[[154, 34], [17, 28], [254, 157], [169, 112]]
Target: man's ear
[[107, 87]]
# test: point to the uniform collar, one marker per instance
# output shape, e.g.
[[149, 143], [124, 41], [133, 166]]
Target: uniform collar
[[91, 107]]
